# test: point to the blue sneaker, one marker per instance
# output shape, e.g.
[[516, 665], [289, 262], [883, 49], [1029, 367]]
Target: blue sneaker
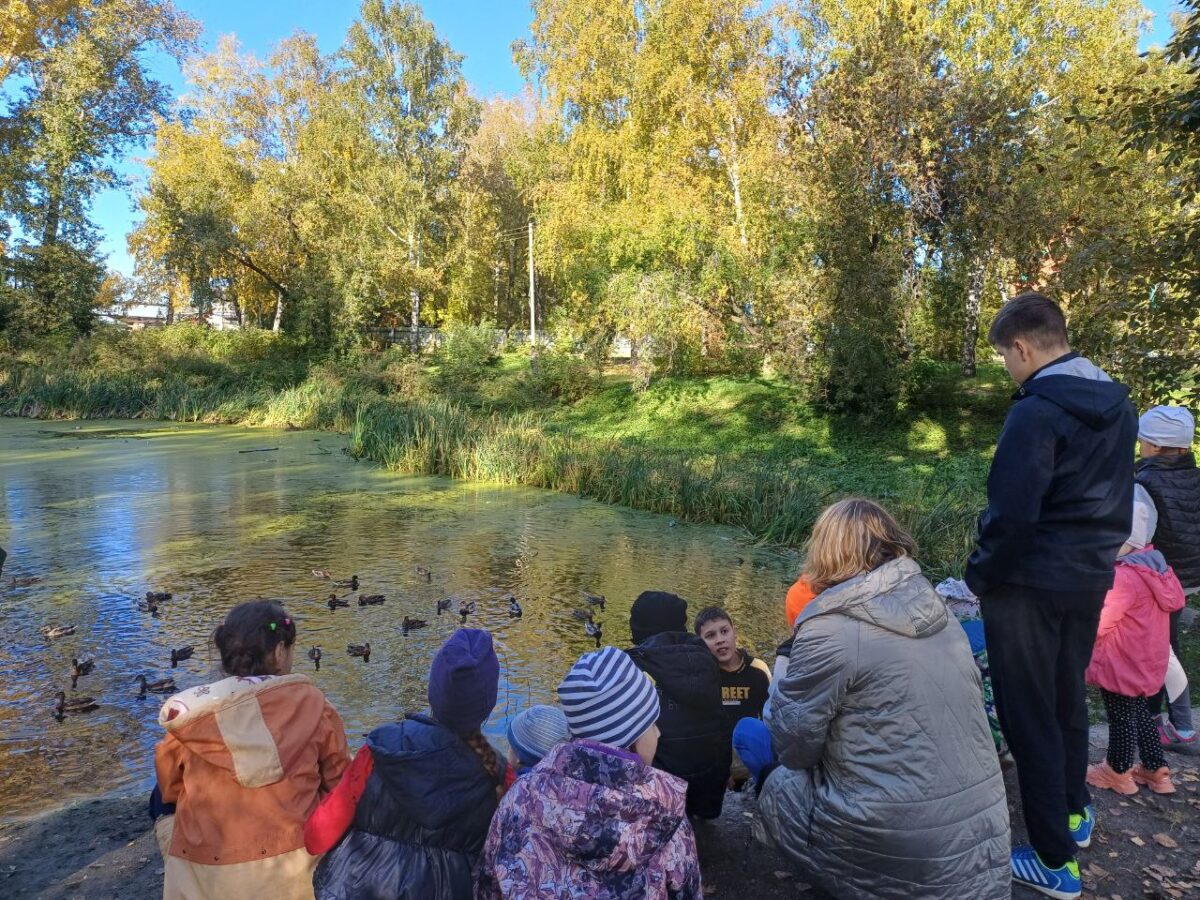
[[1081, 828], [1029, 870]]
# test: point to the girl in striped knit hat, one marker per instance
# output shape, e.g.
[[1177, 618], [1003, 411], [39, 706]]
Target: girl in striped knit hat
[[593, 819]]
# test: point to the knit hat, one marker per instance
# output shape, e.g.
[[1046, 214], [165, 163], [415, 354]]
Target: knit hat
[[463, 681], [534, 731], [1167, 426], [1145, 519], [607, 698], [654, 612]]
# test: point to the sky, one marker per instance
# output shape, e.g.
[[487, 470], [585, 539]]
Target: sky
[[482, 30]]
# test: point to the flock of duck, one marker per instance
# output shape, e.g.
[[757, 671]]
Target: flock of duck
[[152, 602], [466, 608], [81, 668]]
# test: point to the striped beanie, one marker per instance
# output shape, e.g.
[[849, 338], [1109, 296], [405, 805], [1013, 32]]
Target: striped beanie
[[533, 732], [607, 698]]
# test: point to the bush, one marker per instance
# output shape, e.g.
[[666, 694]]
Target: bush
[[464, 358]]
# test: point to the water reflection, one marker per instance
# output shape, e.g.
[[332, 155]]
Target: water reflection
[[106, 517]]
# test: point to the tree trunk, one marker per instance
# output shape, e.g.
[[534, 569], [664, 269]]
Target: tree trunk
[[971, 323], [735, 182], [414, 295], [277, 325]]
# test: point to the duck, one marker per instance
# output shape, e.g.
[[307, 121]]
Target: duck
[[443, 605], [315, 655], [322, 574], [79, 668], [149, 606], [424, 573], [24, 580], [161, 686], [591, 629], [466, 609], [583, 615], [594, 599], [514, 608], [351, 582], [335, 601], [363, 650], [158, 596], [412, 624], [370, 599], [180, 654], [63, 706], [56, 631], [737, 561]]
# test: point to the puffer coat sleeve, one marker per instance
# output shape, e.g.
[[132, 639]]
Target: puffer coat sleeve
[[811, 693]]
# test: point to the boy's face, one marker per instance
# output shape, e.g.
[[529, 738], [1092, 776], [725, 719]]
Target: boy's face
[[721, 638], [1147, 449]]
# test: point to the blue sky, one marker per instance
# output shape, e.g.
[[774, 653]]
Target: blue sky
[[482, 30]]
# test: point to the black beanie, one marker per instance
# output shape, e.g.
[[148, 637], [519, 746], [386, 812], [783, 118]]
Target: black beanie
[[655, 612]]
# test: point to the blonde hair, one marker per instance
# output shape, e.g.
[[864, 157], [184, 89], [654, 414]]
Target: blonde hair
[[852, 537]]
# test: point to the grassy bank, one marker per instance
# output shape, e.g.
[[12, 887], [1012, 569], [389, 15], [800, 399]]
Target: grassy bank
[[740, 451]]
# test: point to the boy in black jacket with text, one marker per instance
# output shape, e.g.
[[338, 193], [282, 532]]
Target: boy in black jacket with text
[[1060, 496], [696, 741]]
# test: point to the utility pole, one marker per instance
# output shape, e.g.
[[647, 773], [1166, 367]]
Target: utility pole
[[532, 304]]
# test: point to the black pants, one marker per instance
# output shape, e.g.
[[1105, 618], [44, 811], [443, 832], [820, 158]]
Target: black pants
[[1039, 643], [1159, 700], [706, 792], [1131, 728]]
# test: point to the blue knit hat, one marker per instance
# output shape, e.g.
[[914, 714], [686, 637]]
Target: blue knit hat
[[533, 732], [463, 681], [607, 698]]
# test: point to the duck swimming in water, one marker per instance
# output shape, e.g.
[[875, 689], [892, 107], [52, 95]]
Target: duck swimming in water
[[335, 601], [424, 573], [443, 605], [514, 608], [363, 650], [351, 583], [370, 599], [158, 596], [180, 654], [466, 609], [583, 615], [64, 707], [161, 686], [79, 668], [50, 632], [412, 624], [591, 629], [322, 574], [315, 655], [149, 606], [594, 599]]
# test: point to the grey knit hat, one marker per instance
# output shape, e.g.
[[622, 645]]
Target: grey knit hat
[[607, 698], [533, 732]]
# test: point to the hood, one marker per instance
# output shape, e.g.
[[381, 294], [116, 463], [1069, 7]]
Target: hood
[[896, 596], [681, 667], [1080, 388], [1151, 568], [603, 810], [250, 727], [432, 775]]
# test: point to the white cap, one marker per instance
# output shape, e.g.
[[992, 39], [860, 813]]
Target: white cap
[[1145, 519], [1167, 426]]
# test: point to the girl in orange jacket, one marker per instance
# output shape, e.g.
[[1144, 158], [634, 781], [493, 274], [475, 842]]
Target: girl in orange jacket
[[245, 760]]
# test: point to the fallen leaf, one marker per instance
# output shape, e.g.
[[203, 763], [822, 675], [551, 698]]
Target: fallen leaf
[[1137, 840], [780, 874], [1097, 871], [1165, 840]]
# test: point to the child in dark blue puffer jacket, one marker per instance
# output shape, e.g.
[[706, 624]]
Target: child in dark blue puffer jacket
[[411, 814]]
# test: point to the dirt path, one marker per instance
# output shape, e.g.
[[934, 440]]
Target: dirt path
[[1145, 846]]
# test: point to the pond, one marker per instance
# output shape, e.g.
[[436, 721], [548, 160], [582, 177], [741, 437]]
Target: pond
[[96, 514]]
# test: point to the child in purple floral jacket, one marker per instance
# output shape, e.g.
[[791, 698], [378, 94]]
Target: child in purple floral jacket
[[593, 819]]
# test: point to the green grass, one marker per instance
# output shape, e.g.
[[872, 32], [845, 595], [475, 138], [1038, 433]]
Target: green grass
[[741, 451]]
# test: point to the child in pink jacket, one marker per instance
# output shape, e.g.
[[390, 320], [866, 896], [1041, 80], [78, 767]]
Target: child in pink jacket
[[1129, 661]]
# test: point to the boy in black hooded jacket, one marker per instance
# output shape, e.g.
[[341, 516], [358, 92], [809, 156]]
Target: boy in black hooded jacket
[[1060, 496], [696, 741]]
